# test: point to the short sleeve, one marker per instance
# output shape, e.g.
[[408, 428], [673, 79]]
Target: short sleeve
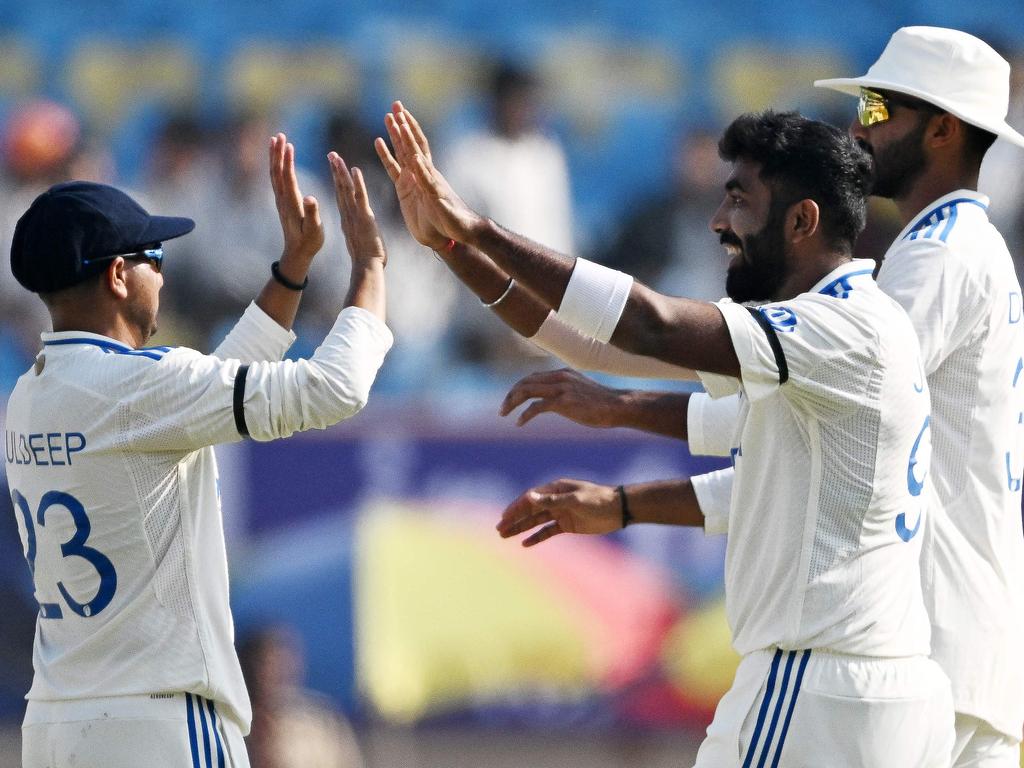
[[819, 350], [936, 291], [711, 424], [714, 496]]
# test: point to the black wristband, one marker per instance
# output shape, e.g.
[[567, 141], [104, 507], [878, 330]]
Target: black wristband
[[627, 518], [275, 270]]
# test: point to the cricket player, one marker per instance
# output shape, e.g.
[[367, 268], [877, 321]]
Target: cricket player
[[831, 448], [929, 109], [113, 475]]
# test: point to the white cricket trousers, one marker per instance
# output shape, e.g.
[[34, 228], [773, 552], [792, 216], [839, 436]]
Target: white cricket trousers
[[809, 709], [179, 730], [979, 745]]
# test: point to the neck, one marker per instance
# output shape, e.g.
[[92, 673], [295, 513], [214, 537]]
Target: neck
[[808, 272], [115, 327], [937, 181]]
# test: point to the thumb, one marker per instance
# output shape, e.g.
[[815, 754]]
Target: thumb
[[311, 210]]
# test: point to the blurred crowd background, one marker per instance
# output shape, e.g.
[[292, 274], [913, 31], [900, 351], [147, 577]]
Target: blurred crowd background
[[381, 620]]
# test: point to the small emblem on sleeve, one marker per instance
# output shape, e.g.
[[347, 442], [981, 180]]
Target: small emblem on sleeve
[[782, 319]]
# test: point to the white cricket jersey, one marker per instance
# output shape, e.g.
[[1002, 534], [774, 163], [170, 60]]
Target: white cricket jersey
[[115, 489], [831, 452], [951, 272]]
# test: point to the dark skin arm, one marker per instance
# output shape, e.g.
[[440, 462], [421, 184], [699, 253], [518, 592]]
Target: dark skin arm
[[691, 334], [520, 310], [580, 399], [576, 506]]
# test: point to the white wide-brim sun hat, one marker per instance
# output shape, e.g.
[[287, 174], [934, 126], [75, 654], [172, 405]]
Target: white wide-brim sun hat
[[945, 67]]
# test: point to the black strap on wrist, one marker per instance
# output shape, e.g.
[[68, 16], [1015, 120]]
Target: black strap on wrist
[[627, 518], [275, 270]]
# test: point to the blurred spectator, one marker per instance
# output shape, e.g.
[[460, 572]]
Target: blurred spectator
[[665, 241], [237, 233], [514, 173], [40, 145], [511, 171], [291, 727]]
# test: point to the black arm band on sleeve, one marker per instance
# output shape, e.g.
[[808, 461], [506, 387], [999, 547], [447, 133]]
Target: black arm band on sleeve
[[239, 401], [773, 342]]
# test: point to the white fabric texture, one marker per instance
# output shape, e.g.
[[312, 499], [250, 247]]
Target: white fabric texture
[[587, 354], [594, 299], [110, 448], [979, 745], [711, 423], [794, 709], [951, 272], [171, 730], [714, 495], [830, 466]]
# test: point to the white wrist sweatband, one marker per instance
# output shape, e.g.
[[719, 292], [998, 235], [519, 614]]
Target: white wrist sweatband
[[595, 299]]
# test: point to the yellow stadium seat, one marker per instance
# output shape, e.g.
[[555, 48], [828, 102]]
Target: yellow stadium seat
[[109, 78], [19, 69], [263, 76], [755, 77]]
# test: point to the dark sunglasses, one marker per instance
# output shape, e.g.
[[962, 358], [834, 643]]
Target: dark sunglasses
[[154, 255], [874, 108]]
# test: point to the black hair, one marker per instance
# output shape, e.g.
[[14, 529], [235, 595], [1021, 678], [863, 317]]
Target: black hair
[[803, 159]]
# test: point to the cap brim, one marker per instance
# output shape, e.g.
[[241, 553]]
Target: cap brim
[[852, 86], [162, 228]]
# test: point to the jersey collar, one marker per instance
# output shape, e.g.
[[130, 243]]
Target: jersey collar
[[971, 197], [840, 281], [54, 340]]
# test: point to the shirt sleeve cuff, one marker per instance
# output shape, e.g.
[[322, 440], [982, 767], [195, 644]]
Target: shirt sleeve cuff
[[759, 372], [714, 496], [256, 337]]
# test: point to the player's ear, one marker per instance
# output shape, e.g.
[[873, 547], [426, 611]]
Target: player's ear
[[115, 279], [802, 220]]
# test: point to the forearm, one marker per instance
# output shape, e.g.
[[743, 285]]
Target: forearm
[[519, 309], [543, 272], [667, 502], [686, 333], [661, 413], [367, 287], [333, 385], [280, 302]]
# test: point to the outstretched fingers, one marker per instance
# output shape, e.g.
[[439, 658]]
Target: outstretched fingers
[[417, 131], [391, 166]]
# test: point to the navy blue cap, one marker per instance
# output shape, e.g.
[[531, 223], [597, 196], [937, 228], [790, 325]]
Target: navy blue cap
[[77, 222]]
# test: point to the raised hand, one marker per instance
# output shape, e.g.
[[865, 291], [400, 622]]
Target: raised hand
[[564, 506], [300, 216], [358, 223], [567, 393], [433, 212]]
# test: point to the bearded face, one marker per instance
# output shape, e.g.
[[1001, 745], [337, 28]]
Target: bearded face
[[898, 160], [758, 267]]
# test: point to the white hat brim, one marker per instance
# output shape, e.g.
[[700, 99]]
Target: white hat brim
[[852, 86]]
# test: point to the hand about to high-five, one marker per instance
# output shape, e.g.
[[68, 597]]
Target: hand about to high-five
[[358, 223], [433, 212], [567, 393], [564, 506], [300, 216]]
